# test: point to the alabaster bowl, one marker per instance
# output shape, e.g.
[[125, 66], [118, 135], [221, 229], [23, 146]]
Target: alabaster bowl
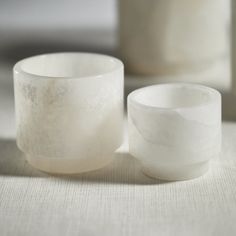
[[69, 110], [174, 129]]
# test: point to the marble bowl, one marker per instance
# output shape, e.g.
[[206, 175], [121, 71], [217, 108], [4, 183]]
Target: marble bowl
[[69, 110], [174, 129]]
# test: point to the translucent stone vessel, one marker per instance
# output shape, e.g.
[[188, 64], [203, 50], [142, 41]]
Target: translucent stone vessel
[[174, 129], [69, 110], [168, 37]]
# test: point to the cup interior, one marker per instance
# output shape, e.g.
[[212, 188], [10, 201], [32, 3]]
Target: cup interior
[[174, 96], [69, 65]]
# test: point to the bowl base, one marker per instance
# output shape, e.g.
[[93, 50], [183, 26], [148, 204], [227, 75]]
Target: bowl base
[[176, 173], [66, 166]]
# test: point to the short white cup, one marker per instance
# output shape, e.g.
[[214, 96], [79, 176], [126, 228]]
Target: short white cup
[[69, 110], [174, 129]]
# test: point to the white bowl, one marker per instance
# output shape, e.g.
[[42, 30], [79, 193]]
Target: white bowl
[[174, 129], [69, 110]]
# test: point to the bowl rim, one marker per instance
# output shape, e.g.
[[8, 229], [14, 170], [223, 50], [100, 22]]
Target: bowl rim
[[214, 95], [17, 69]]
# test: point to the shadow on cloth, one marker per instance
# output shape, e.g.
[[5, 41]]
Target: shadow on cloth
[[123, 170]]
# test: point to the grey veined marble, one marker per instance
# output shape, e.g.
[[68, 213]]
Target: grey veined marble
[[69, 110], [174, 129]]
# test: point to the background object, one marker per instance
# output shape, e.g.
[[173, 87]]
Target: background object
[[233, 45], [69, 110], [171, 37], [174, 129]]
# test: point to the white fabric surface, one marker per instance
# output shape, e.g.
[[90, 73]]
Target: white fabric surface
[[117, 200]]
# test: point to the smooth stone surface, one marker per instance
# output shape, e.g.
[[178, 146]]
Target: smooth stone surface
[[173, 173], [175, 126], [172, 37], [67, 166], [69, 106]]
